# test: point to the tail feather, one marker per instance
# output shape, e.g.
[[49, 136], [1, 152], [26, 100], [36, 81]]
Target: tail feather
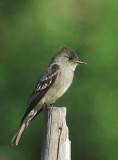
[[15, 140], [24, 124]]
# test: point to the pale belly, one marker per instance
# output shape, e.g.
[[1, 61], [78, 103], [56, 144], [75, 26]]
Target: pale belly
[[60, 86]]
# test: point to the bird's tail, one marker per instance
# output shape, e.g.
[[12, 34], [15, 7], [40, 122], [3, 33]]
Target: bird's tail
[[24, 124], [15, 140]]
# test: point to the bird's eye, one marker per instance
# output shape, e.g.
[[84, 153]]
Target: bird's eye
[[70, 58]]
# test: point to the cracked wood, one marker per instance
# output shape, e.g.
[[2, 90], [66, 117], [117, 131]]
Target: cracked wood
[[56, 143]]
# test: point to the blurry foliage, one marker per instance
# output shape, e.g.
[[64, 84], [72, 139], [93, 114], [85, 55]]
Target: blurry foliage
[[30, 33]]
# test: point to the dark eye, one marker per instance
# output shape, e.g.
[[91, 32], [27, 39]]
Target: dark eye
[[70, 58]]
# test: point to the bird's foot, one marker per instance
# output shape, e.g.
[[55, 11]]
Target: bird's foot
[[45, 106], [51, 105]]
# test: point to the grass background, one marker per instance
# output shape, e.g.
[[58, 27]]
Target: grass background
[[31, 32]]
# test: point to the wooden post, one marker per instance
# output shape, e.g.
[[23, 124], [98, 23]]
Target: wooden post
[[56, 143]]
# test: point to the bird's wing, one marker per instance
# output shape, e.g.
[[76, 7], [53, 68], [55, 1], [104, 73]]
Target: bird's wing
[[43, 85]]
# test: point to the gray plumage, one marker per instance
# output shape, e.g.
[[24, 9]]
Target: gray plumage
[[53, 83]]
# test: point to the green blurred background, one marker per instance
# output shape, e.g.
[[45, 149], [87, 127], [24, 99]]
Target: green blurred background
[[31, 32]]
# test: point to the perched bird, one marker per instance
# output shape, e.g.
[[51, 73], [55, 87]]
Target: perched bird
[[52, 84]]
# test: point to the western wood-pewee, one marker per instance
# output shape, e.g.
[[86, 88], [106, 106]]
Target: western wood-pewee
[[52, 84]]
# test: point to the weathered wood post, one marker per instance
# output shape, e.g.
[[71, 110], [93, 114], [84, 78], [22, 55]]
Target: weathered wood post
[[56, 143]]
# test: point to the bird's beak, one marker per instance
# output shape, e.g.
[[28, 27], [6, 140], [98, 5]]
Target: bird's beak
[[80, 62]]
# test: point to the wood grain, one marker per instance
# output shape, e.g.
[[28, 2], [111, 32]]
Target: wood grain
[[56, 143]]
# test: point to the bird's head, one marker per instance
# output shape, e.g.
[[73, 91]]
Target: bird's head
[[68, 57]]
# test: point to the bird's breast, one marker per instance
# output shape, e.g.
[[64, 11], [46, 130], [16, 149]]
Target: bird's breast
[[59, 87], [65, 79]]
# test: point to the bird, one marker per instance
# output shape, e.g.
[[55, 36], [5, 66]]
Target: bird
[[52, 84]]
